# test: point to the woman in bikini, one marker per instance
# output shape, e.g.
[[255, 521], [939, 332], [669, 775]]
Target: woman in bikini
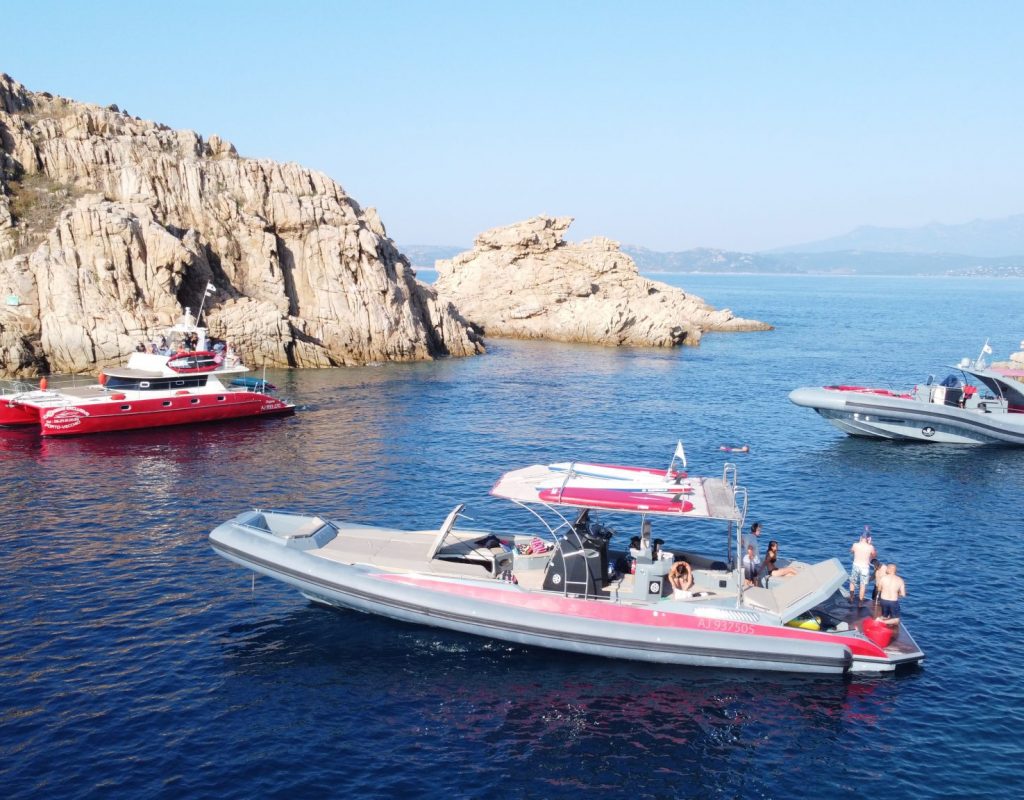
[[769, 568]]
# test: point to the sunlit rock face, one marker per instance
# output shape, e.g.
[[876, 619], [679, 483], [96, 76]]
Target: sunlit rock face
[[525, 281], [110, 225]]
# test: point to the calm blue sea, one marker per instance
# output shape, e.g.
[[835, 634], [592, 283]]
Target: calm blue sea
[[136, 663]]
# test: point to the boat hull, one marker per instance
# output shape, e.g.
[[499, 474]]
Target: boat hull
[[132, 413], [657, 632], [886, 416], [13, 414]]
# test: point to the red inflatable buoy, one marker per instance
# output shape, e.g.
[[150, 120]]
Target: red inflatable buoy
[[42, 384], [102, 379], [878, 632]]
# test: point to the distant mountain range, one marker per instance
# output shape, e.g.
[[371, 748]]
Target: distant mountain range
[[990, 238], [848, 262], [982, 247], [424, 255]]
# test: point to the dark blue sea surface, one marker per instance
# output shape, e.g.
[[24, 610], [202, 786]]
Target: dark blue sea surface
[[134, 662]]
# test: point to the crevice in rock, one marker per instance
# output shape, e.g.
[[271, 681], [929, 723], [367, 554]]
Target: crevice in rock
[[286, 258]]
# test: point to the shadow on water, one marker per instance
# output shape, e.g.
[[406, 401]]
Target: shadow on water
[[666, 731]]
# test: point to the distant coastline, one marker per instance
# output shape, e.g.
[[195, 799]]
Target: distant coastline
[[983, 248], [722, 262]]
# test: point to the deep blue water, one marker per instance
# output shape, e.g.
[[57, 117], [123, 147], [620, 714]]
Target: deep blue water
[[134, 662]]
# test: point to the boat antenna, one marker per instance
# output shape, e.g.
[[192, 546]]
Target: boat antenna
[[210, 289]]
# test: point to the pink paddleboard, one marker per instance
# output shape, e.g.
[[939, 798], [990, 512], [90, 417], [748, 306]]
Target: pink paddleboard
[[619, 499]]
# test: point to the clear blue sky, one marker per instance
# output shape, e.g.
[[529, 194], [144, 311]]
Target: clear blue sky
[[668, 125]]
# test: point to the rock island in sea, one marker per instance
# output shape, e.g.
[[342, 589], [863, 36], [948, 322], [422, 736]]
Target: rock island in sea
[[525, 281], [110, 225]]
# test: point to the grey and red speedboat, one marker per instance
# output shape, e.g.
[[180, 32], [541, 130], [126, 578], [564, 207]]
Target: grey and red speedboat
[[571, 584], [977, 403]]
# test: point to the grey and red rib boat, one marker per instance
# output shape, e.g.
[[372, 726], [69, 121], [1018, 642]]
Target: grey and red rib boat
[[977, 403], [570, 585]]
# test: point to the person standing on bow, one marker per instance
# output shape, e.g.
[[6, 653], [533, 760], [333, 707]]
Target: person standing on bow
[[891, 590], [863, 551]]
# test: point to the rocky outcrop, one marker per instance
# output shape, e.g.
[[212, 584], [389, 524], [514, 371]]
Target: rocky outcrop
[[110, 225], [525, 281]]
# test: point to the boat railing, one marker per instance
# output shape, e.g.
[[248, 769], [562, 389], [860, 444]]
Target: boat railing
[[11, 387], [739, 494], [571, 533], [730, 474]]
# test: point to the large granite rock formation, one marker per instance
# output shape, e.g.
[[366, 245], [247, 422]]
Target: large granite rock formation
[[109, 225], [525, 281]]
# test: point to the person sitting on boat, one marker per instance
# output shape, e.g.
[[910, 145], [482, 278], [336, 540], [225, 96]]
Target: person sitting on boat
[[681, 579], [770, 568], [751, 565]]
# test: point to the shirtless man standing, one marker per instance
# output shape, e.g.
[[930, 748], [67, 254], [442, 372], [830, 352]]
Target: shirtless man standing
[[891, 588], [863, 551]]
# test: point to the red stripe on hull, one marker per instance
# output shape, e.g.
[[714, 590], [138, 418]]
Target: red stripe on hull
[[633, 615], [152, 413]]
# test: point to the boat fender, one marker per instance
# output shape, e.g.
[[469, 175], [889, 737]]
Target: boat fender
[[182, 391], [877, 631], [117, 397], [42, 384], [102, 378]]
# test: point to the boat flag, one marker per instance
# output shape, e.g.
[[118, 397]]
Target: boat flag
[[986, 348], [680, 453], [210, 289]]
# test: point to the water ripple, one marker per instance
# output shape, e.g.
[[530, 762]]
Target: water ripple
[[136, 663]]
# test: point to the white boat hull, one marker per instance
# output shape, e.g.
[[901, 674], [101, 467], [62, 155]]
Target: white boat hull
[[897, 418]]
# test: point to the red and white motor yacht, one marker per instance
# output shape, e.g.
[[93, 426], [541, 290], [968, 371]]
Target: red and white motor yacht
[[178, 384]]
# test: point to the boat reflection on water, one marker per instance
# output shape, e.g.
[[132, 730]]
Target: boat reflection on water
[[549, 709], [16, 443]]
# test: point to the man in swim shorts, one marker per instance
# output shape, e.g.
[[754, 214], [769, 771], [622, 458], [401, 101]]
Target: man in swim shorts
[[863, 551], [892, 588]]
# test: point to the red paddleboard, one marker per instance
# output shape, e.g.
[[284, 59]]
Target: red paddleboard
[[619, 499]]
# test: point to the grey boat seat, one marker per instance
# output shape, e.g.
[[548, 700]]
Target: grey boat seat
[[790, 596]]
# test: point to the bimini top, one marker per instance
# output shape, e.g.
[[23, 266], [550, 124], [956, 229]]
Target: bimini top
[[636, 490]]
